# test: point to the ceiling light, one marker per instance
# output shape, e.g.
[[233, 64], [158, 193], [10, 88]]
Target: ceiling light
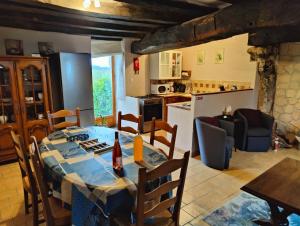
[[86, 3], [97, 3]]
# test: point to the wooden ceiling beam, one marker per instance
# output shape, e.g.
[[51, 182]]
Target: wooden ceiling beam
[[233, 20], [170, 5], [215, 3], [52, 10], [22, 13], [265, 37], [24, 23], [111, 10]]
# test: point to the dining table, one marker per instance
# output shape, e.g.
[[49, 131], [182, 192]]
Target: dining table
[[84, 179], [279, 186]]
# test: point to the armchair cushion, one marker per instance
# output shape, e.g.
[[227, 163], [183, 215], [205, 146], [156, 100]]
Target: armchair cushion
[[253, 117], [210, 120], [258, 132]]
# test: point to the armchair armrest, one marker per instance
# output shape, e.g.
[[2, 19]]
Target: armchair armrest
[[241, 131], [227, 126], [267, 121]]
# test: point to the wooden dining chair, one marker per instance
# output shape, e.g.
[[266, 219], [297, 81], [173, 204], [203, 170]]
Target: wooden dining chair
[[54, 213], [34, 148], [40, 131], [161, 213], [29, 185], [162, 125], [52, 117], [129, 118]]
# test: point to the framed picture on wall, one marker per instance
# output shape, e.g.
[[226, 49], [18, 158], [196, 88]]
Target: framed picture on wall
[[14, 47], [219, 56], [200, 57], [45, 48]]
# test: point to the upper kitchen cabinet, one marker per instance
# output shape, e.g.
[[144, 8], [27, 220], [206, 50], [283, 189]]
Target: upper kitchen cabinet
[[166, 65]]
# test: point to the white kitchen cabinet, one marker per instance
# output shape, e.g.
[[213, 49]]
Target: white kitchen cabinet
[[166, 65]]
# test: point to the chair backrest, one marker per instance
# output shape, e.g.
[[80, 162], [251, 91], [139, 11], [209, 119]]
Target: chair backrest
[[34, 148], [42, 186], [23, 159], [162, 125], [130, 118], [39, 131], [163, 170], [253, 116], [63, 114]]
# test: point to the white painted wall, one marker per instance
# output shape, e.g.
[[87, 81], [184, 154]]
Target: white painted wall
[[61, 42], [236, 66], [136, 84], [214, 104]]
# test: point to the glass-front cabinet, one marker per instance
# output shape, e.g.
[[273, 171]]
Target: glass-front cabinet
[[9, 109], [32, 87], [166, 65], [23, 100]]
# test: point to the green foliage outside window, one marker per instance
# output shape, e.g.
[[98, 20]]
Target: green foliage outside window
[[102, 91]]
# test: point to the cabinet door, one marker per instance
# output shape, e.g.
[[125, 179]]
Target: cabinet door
[[176, 59], [164, 65], [34, 103], [9, 110]]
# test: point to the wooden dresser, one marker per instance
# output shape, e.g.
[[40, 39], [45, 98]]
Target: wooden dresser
[[24, 100]]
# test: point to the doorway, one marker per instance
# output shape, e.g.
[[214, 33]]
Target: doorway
[[104, 90]]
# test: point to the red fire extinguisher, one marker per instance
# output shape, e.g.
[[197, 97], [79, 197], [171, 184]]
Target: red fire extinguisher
[[136, 65]]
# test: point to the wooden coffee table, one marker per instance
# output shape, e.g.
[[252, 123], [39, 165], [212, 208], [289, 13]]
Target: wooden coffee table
[[280, 187]]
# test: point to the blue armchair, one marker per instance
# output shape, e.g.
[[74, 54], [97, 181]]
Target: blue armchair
[[215, 140], [254, 130]]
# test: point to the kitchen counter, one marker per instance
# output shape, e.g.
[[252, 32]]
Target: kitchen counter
[[175, 95], [182, 115], [218, 92], [182, 105]]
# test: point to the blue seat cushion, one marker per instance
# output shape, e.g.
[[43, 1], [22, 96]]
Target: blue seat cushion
[[258, 132]]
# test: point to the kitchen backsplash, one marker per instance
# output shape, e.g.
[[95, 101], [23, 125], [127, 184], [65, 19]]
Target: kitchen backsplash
[[208, 85]]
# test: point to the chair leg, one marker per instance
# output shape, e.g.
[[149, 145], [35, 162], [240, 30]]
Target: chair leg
[[26, 201], [35, 210]]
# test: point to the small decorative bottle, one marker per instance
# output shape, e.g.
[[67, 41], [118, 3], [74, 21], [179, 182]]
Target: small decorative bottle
[[117, 156], [138, 148], [276, 144]]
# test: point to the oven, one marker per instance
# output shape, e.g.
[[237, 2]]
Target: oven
[[150, 106]]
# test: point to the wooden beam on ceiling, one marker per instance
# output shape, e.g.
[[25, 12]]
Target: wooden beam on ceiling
[[105, 38], [115, 10], [42, 15], [24, 23], [171, 5], [208, 3], [233, 20], [264, 37]]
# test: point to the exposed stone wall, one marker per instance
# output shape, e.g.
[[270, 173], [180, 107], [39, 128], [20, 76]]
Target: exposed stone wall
[[287, 98]]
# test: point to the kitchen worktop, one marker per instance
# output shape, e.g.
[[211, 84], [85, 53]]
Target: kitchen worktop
[[182, 105], [174, 94], [204, 92]]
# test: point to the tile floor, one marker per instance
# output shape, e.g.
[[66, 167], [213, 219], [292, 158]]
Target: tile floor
[[206, 189]]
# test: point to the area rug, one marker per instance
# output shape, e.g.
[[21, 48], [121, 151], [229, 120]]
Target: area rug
[[242, 211]]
